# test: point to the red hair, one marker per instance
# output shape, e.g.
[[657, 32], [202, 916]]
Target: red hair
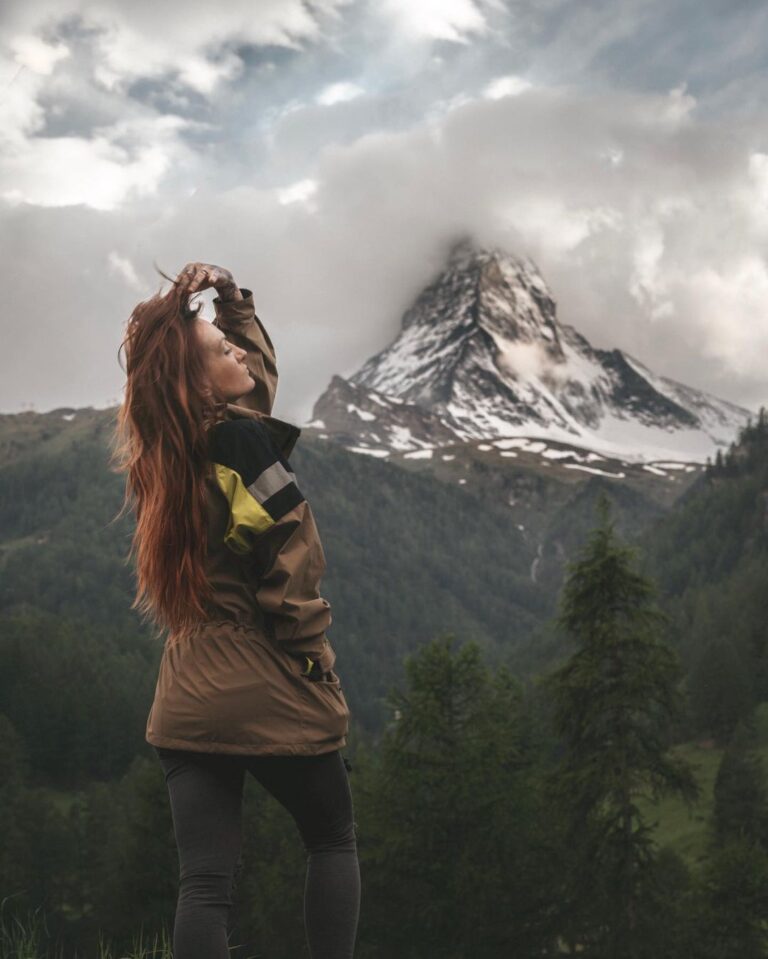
[[160, 443]]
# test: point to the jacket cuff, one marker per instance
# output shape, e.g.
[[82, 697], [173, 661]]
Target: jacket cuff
[[232, 312]]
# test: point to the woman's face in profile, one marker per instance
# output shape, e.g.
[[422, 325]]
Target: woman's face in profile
[[225, 366]]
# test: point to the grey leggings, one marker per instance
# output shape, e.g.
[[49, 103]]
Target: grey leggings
[[205, 791]]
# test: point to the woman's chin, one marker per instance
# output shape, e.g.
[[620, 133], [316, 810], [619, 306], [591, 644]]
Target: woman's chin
[[247, 388]]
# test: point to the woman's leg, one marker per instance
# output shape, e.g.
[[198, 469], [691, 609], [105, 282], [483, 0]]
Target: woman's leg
[[315, 790], [205, 791]]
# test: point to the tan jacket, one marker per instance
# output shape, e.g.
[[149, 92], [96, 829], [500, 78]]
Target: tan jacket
[[257, 677]]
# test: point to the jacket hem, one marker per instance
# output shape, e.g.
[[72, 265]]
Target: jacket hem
[[247, 749]]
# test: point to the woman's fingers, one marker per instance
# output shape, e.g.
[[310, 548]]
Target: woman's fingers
[[194, 277], [201, 276], [198, 280], [187, 271]]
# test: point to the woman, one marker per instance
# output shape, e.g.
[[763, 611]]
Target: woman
[[228, 563]]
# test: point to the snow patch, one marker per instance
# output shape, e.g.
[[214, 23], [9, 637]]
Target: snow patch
[[592, 469], [363, 414], [371, 452], [508, 444], [401, 438], [559, 454]]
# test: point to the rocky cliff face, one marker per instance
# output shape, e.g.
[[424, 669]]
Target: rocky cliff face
[[481, 355]]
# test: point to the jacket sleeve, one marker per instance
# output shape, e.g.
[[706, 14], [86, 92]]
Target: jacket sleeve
[[238, 321], [271, 523]]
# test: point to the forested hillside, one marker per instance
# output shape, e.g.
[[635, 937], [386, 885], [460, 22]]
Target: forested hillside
[[466, 776], [408, 557], [710, 558]]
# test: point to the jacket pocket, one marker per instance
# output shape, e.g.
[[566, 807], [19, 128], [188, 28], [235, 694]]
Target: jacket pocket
[[330, 678]]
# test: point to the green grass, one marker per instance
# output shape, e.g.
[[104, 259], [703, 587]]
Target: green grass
[[686, 831], [28, 939], [681, 828]]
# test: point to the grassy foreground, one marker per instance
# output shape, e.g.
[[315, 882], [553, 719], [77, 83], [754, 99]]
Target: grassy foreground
[[27, 940], [683, 830]]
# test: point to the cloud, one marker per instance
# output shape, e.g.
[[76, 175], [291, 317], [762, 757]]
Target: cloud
[[37, 55], [80, 122], [125, 160], [505, 87], [121, 266], [630, 168], [454, 20], [195, 41], [724, 308], [524, 360], [338, 93], [299, 192]]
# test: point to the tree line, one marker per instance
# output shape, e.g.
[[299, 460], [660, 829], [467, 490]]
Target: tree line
[[496, 816]]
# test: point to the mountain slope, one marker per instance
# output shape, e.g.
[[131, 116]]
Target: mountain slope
[[482, 355]]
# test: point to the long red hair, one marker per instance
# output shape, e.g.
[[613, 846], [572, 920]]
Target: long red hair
[[160, 443]]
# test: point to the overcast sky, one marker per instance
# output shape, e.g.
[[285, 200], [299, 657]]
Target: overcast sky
[[327, 151]]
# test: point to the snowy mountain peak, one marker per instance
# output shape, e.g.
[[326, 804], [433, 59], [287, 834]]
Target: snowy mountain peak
[[491, 289], [481, 355]]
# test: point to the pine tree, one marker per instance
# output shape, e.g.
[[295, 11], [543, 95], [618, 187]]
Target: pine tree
[[734, 903], [455, 852], [719, 689], [741, 793], [615, 701]]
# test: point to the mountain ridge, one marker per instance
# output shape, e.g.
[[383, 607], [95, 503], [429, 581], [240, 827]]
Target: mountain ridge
[[482, 355]]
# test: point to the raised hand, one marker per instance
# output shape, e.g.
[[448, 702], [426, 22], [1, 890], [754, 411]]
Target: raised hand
[[195, 277]]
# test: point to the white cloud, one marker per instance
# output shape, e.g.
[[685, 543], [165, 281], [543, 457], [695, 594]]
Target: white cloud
[[524, 360], [121, 266], [646, 283], [195, 43], [338, 93], [507, 86], [299, 192], [553, 224], [20, 113], [452, 20], [37, 55], [71, 170], [127, 159], [612, 155], [106, 165], [680, 105], [730, 304]]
